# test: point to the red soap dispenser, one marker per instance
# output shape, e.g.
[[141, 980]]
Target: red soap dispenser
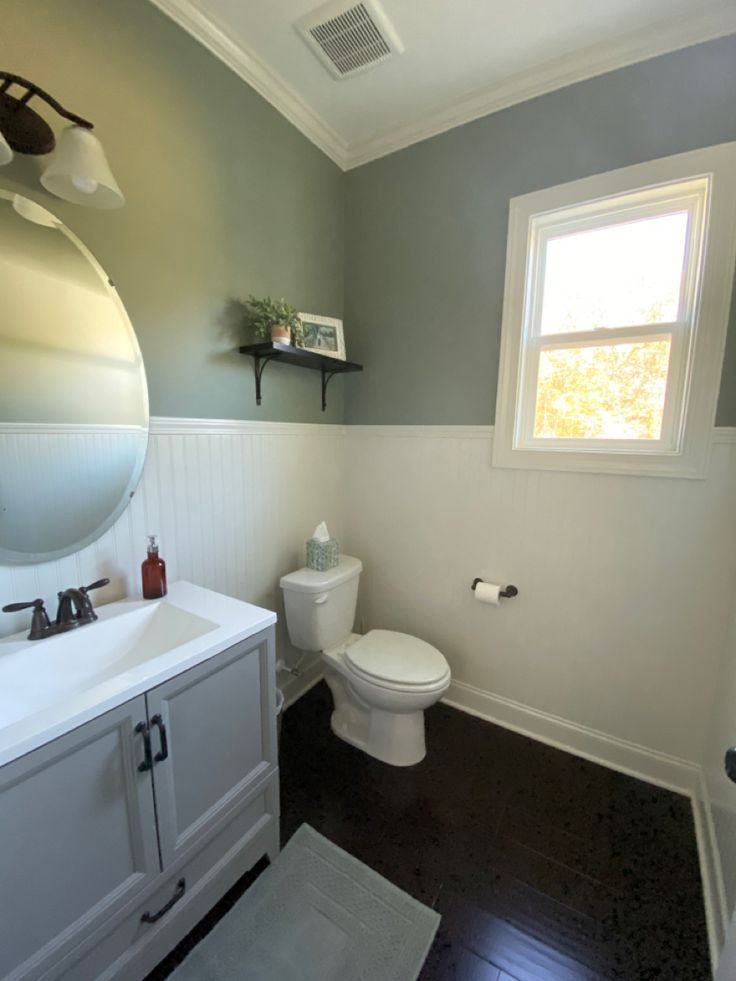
[[153, 572]]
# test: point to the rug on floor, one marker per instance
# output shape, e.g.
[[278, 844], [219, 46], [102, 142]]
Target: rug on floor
[[316, 914]]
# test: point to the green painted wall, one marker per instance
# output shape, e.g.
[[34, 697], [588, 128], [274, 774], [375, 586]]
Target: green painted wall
[[426, 227], [224, 197]]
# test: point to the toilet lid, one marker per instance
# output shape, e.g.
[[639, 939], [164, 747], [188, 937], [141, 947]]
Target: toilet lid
[[400, 658]]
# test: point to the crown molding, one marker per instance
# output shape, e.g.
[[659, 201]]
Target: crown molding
[[246, 63], [716, 21]]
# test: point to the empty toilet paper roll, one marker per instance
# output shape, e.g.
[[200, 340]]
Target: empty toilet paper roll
[[488, 592]]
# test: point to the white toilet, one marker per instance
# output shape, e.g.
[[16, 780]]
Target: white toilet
[[381, 682]]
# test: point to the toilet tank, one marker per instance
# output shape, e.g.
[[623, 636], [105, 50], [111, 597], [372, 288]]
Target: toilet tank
[[320, 606]]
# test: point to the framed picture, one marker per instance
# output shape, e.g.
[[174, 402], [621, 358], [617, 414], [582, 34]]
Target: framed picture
[[323, 335]]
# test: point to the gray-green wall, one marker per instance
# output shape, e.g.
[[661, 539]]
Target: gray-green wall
[[426, 227], [224, 197]]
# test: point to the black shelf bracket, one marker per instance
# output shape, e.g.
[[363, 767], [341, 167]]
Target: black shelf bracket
[[327, 376], [267, 351], [259, 363]]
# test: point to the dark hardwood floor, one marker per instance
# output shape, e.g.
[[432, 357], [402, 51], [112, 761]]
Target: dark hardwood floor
[[545, 867]]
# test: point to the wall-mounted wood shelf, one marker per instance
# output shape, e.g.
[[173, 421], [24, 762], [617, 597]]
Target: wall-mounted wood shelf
[[266, 351]]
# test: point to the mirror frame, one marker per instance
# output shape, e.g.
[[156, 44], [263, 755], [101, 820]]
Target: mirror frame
[[12, 557]]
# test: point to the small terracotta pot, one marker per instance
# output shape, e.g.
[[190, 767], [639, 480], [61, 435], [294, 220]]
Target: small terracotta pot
[[280, 334]]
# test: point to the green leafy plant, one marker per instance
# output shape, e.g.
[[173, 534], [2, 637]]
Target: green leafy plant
[[265, 312]]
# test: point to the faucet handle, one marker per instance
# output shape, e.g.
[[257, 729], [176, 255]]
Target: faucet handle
[[40, 622], [87, 613], [16, 607]]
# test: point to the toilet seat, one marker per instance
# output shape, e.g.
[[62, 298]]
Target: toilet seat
[[399, 661]]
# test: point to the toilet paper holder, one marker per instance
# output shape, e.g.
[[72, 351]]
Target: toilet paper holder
[[507, 592]]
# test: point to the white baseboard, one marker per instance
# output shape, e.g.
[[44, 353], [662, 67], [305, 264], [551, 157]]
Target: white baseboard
[[670, 772], [711, 871], [294, 687]]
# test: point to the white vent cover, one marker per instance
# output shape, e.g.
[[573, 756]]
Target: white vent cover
[[349, 37]]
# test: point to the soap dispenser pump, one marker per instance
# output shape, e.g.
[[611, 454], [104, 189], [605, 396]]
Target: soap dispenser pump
[[153, 572]]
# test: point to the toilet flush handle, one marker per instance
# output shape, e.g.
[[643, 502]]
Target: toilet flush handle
[[319, 600]]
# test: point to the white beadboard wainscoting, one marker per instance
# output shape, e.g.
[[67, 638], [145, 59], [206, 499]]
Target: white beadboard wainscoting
[[66, 457], [614, 648], [626, 584], [232, 502]]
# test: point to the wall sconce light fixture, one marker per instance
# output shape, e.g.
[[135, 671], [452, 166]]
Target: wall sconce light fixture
[[78, 170]]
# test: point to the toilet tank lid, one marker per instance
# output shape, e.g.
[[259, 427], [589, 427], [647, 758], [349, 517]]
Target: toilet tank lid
[[311, 581]]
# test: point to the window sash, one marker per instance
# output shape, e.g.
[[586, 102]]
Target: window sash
[[689, 196], [672, 416], [598, 216]]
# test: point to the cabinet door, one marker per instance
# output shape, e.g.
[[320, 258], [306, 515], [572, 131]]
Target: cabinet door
[[79, 838], [220, 741]]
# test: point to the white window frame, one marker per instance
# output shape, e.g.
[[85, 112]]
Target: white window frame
[[703, 182]]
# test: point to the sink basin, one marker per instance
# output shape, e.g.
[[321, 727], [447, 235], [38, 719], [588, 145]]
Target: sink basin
[[84, 657], [49, 686]]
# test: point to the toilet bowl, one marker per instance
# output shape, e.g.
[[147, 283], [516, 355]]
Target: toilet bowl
[[381, 682]]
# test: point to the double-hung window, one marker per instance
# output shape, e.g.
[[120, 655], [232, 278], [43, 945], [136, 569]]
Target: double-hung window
[[615, 317]]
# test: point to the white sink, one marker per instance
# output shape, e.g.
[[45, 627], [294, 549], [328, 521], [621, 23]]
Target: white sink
[[48, 687], [34, 678]]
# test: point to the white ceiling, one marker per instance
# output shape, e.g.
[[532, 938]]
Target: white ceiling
[[462, 59]]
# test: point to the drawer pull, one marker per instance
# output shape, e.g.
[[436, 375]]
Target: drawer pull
[[163, 753], [178, 893], [147, 763]]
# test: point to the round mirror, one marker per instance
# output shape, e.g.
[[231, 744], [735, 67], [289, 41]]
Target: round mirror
[[73, 396]]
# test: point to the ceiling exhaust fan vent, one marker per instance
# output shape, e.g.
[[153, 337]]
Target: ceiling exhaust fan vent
[[349, 38]]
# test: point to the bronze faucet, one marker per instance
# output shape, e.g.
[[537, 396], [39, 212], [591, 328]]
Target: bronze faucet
[[76, 600]]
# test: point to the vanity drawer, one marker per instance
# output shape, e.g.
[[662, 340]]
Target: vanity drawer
[[128, 950]]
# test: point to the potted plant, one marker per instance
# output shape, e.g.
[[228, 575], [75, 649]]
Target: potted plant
[[276, 319]]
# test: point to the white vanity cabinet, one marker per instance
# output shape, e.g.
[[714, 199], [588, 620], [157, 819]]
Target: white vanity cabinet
[[118, 836]]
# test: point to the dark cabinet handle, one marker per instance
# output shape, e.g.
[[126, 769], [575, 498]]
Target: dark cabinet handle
[[731, 763], [147, 763], [178, 893], [163, 753]]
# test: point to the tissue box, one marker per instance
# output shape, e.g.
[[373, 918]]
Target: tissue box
[[322, 555]]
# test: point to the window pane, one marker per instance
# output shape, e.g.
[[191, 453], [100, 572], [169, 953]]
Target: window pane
[[611, 391], [615, 276]]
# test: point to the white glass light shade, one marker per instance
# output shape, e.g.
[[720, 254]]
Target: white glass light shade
[[6, 154], [78, 171]]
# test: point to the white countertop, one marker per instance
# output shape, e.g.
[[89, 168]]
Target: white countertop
[[49, 687]]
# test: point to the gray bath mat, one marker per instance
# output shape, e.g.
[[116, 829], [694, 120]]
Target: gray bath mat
[[316, 914]]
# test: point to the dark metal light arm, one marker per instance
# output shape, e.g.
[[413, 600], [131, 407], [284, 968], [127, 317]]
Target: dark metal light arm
[[8, 79], [24, 130], [78, 172]]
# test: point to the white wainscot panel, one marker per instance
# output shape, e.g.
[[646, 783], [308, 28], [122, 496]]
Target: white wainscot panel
[[232, 503], [625, 583]]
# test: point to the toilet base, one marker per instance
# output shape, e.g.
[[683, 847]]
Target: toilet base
[[396, 738]]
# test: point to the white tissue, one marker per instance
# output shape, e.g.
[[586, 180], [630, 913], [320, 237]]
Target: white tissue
[[321, 534], [488, 592]]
